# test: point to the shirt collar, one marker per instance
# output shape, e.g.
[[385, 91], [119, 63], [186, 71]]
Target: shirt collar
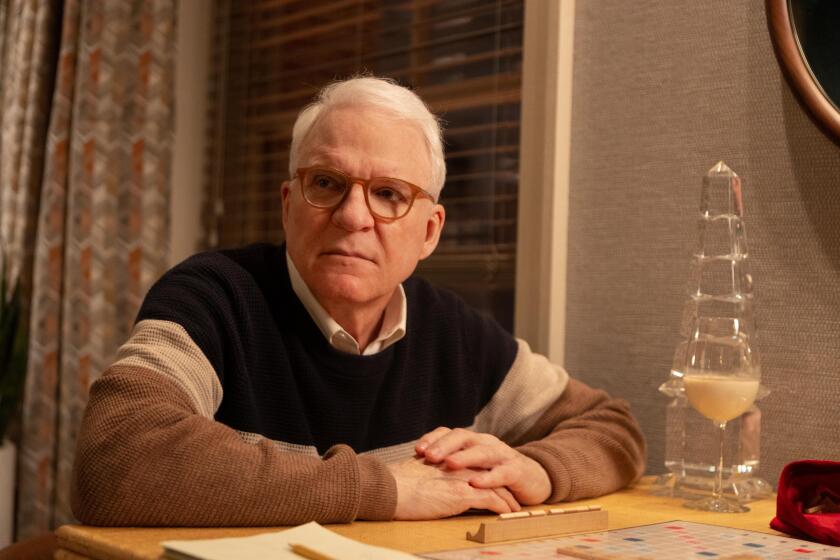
[[393, 321]]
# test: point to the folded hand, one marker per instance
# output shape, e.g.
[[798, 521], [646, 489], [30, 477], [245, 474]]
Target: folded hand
[[492, 463], [426, 491]]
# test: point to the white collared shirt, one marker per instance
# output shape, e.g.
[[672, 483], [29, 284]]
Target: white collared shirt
[[393, 320]]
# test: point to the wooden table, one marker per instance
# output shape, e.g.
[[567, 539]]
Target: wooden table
[[635, 506]]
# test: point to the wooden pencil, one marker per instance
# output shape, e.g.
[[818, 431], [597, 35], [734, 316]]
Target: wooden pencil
[[306, 552]]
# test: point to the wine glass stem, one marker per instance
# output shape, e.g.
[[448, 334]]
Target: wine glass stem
[[718, 489]]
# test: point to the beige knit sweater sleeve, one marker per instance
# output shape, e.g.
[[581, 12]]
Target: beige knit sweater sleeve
[[588, 442], [146, 457]]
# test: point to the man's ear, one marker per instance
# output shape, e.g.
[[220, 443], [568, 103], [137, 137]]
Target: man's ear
[[285, 190], [434, 225]]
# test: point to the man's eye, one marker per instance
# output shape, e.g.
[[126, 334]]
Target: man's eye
[[325, 182], [390, 194]]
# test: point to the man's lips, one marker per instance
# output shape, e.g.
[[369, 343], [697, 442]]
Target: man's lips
[[351, 254]]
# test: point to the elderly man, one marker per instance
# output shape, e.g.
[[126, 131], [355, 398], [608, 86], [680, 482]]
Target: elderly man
[[317, 380]]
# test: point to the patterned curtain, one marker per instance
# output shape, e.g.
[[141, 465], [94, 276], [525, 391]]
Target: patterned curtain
[[102, 227], [27, 72]]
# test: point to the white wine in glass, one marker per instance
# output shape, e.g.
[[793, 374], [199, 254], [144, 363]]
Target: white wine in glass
[[721, 382], [720, 398]]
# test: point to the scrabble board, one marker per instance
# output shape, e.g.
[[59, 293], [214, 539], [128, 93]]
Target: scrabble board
[[671, 540]]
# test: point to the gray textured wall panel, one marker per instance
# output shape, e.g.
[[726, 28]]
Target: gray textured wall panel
[[662, 91]]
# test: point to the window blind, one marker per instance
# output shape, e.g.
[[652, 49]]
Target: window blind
[[463, 57]]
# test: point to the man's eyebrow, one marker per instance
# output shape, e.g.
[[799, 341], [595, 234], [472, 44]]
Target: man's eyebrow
[[338, 161], [325, 158]]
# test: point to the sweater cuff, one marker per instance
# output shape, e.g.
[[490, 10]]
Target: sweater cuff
[[558, 474], [378, 500]]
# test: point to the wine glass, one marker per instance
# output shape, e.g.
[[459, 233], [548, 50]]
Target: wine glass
[[721, 379]]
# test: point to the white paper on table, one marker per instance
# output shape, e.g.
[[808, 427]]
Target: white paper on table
[[275, 546]]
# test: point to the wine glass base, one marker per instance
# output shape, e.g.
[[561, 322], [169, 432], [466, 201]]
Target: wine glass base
[[716, 505]]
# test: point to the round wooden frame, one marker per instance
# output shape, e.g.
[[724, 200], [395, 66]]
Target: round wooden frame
[[796, 68]]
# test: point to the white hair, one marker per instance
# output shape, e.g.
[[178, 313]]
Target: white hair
[[378, 93]]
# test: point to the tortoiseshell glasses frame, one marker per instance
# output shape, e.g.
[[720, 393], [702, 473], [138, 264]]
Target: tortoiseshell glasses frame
[[387, 198]]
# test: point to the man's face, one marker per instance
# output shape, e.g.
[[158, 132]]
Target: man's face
[[344, 254]]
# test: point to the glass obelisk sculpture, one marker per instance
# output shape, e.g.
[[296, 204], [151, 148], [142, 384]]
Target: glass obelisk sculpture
[[720, 291]]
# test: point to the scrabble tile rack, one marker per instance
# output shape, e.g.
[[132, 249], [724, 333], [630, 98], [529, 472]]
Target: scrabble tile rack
[[541, 523]]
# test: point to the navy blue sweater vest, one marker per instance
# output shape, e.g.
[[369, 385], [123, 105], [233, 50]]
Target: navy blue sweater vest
[[283, 380]]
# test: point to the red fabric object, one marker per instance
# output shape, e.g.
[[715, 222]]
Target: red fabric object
[[808, 502]]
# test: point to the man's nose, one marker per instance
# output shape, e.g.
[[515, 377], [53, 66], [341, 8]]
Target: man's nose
[[353, 213]]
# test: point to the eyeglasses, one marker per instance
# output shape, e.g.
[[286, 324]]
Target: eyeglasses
[[387, 199]]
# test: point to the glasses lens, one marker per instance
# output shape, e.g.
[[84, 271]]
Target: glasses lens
[[389, 198], [323, 187]]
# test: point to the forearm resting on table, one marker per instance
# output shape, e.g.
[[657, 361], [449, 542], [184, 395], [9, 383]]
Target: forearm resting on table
[[146, 458], [584, 444], [587, 442]]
